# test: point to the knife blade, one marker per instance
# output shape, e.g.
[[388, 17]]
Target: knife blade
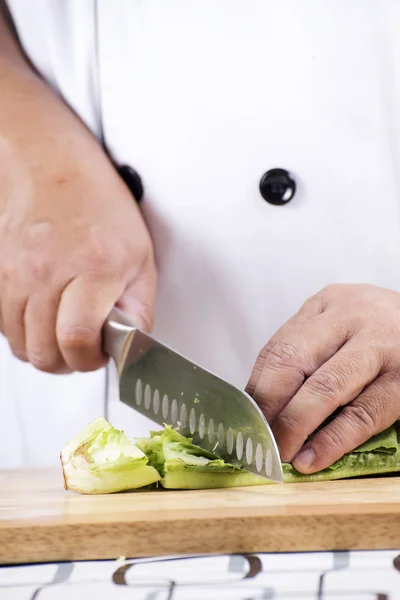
[[169, 389]]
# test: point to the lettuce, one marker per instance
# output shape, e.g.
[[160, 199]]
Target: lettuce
[[102, 460], [183, 465], [186, 466]]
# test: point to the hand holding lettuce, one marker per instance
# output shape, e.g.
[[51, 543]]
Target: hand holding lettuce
[[340, 350], [102, 459], [381, 454]]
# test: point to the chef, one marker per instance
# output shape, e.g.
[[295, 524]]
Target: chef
[[227, 171]]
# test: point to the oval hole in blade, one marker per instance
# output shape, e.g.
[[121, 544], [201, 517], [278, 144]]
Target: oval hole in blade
[[183, 416], [147, 396], [268, 463], [229, 440], [259, 457], [211, 431], [249, 451], [174, 412], [139, 392], [165, 406], [156, 402], [192, 421], [221, 435], [239, 445], [202, 426]]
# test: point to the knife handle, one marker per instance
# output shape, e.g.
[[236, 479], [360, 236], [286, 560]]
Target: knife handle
[[118, 331]]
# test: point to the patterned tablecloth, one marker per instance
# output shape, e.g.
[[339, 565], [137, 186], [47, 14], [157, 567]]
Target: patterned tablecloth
[[308, 576]]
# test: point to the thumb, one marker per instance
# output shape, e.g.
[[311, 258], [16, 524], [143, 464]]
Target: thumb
[[138, 299]]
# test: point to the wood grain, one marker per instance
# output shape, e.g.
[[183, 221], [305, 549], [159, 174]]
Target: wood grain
[[40, 521]]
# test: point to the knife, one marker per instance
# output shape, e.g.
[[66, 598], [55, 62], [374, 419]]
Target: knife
[[169, 389]]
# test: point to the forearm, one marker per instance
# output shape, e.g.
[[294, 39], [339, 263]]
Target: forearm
[[34, 120]]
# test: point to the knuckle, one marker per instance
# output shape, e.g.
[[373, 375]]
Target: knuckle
[[361, 416], [326, 383], [395, 377], [315, 301], [281, 354], [332, 289], [332, 437], [8, 271], [40, 232], [99, 258], [334, 293], [77, 338], [40, 268], [289, 426]]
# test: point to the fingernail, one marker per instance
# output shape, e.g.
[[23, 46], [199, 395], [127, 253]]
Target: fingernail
[[304, 459]]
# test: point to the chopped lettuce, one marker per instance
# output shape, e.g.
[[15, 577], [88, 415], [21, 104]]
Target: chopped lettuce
[[184, 465], [102, 460], [168, 447]]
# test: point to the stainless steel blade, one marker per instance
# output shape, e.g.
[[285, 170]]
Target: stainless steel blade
[[169, 389]]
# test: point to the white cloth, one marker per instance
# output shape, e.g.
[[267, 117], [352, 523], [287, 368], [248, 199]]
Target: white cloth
[[202, 98]]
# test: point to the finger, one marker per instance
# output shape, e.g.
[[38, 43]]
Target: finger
[[291, 356], [83, 309], [310, 309], [138, 299], [12, 310], [40, 332], [373, 411], [334, 384]]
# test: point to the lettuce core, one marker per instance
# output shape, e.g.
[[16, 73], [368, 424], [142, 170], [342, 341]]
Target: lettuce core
[[102, 460]]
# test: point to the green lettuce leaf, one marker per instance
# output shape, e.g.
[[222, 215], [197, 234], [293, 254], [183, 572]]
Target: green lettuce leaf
[[381, 454], [385, 442], [182, 468], [168, 450]]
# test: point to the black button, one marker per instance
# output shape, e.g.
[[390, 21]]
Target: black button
[[132, 180], [277, 186]]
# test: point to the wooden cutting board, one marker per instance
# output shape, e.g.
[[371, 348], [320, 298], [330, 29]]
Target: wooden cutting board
[[40, 521]]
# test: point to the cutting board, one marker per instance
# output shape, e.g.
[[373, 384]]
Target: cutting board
[[40, 521]]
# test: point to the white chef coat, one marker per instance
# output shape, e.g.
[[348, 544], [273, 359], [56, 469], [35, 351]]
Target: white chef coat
[[202, 97]]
